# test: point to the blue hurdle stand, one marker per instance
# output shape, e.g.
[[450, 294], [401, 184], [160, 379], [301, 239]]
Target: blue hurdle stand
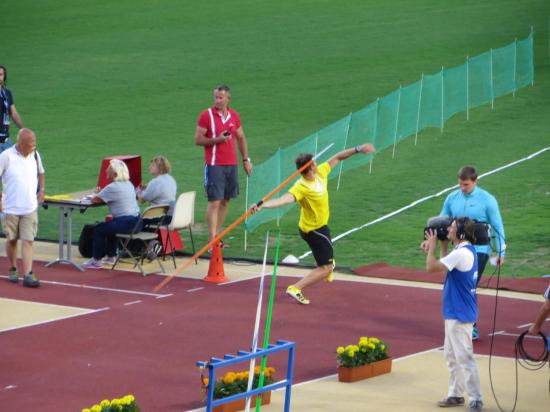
[[243, 356]]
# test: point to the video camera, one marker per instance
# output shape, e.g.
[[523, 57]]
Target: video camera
[[441, 223]]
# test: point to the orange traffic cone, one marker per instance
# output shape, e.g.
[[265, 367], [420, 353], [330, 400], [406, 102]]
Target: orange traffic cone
[[215, 269]]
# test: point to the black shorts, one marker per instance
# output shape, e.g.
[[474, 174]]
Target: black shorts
[[221, 182], [320, 243]]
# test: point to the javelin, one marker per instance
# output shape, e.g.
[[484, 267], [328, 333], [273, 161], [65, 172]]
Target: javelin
[[237, 222]]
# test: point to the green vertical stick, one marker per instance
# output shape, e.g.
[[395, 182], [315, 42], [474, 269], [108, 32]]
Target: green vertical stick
[[268, 320]]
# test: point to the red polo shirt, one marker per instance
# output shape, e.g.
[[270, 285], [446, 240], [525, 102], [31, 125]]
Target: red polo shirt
[[221, 154]]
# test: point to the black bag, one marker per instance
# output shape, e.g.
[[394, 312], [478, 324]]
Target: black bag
[[86, 241]]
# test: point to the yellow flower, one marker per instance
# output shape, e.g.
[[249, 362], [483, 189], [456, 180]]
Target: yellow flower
[[204, 381], [372, 345], [257, 369], [96, 408], [104, 402], [340, 350], [115, 402], [86, 410], [363, 338], [271, 370], [374, 340], [132, 399], [229, 377]]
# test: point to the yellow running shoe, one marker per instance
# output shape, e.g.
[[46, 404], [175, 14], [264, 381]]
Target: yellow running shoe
[[330, 277], [297, 294]]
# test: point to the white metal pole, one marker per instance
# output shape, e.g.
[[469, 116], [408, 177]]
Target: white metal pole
[[257, 324], [245, 209], [492, 85], [442, 99], [418, 111], [345, 145], [396, 122], [467, 87]]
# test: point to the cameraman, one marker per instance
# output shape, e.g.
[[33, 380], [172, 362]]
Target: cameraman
[[475, 203], [459, 309]]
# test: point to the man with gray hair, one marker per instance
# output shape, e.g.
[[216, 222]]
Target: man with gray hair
[[23, 183]]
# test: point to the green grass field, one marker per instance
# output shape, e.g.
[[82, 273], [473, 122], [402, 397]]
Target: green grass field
[[100, 78]]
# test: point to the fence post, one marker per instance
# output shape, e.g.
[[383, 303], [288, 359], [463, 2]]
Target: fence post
[[396, 122], [492, 85], [442, 100], [467, 88], [345, 144], [375, 131], [532, 54], [418, 111], [515, 64]]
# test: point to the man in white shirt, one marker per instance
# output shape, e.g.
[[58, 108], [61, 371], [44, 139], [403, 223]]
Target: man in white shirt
[[459, 310], [23, 184]]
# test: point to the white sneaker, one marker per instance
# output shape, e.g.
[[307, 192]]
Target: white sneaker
[[108, 260], [92, 264]]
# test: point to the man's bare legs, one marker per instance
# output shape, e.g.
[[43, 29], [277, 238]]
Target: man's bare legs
[[216, 212], [27, 256], [11, 252]]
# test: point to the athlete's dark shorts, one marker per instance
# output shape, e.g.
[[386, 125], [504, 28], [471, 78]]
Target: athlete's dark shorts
[[221, 182], [320, 243]]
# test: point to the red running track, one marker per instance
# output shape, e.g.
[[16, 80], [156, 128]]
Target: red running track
[[147, 345]]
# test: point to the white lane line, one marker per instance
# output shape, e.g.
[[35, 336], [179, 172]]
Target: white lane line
[[87, 312], [75, 285], [195, 289], [164, 296], [132, 303], [524, 326]]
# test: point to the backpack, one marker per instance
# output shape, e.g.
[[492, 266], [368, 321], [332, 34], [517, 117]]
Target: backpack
[[86, 241]]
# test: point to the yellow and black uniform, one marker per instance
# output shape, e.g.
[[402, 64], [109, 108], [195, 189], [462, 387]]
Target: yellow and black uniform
[[312, 195]]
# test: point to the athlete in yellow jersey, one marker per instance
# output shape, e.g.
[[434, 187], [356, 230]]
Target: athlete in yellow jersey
[[311, 192]]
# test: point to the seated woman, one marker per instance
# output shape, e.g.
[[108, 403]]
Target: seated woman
[[162, 189], [120, 196]]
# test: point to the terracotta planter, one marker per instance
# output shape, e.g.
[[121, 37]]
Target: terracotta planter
[[240, 404], [369, 370]]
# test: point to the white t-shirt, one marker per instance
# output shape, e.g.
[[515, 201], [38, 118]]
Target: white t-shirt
[[19, 181], [460, 258]]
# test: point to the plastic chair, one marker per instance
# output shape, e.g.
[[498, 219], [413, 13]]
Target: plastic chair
[[152, 212], [183, 218]]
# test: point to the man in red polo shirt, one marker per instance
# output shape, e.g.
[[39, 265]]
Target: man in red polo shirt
[[218, 128]]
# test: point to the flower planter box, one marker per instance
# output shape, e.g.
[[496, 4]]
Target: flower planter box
[[369, 370], [240, 404]]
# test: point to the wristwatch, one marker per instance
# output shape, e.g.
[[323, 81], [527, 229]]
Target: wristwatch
[[247, 159]]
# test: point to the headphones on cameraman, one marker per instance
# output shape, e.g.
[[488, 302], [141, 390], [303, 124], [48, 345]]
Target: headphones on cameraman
[[460, 223]]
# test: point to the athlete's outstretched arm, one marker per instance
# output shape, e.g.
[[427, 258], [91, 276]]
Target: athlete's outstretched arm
[[344, 154]]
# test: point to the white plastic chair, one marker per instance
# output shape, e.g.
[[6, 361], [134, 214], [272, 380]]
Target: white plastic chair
[[183, 218]]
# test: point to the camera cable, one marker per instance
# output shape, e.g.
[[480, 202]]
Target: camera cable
[[522, 357]]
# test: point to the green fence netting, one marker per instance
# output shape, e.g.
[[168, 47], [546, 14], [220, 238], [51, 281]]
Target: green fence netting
[[403, 113]]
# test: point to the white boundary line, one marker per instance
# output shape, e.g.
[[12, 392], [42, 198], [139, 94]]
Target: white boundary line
[[83, 313], [75, 285], [416, 202]]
